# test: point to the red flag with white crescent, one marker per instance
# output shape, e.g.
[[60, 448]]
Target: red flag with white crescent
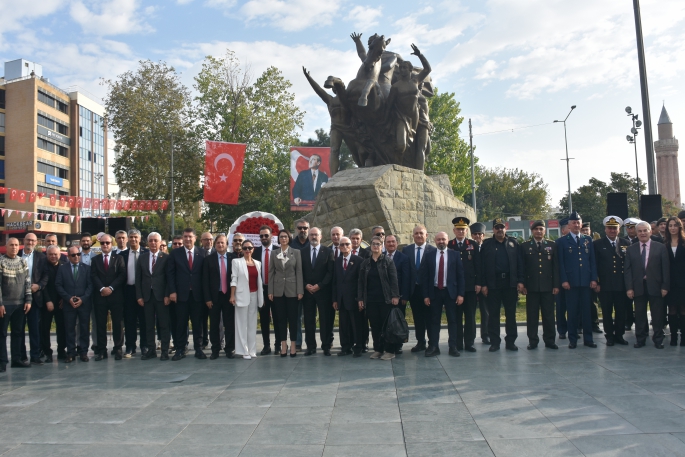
[[62, 200], [79, 202], [111, 204], [22, 196], [165, 204], [32, 197], [223, 172], [53, 199], [13, 194], [119, 205], [155, 205], [148, 205], [127, 205], [3, 190], [134, 205], [88, 203], [72, 201]]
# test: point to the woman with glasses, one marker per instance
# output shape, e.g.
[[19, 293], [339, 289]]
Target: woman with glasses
[[378, 293], [246, 296], [285, 290], [675, 299]]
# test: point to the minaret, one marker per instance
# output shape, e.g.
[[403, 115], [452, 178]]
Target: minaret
[[666, 149]]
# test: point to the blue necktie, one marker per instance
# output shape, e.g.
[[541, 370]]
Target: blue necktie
[[418, 262]]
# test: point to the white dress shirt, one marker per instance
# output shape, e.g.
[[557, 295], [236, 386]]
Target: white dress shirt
[[152, 257]]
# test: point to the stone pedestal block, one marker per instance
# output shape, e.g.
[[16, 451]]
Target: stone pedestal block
[[392, 196]]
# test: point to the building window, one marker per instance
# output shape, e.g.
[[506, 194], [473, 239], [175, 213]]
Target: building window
[[63, 129], [63, 107], [2, 99], [64, 152], [49, 190], [2, 198], [54, 171], [2, 169], [2, 122], [45, 98], [46, 145], [45, 122], [2, 145]]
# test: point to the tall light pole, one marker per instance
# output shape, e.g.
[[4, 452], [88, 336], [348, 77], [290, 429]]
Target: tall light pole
[[568, 167], [633, 139]]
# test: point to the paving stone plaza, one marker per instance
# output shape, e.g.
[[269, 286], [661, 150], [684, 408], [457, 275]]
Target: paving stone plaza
[[609, 401]]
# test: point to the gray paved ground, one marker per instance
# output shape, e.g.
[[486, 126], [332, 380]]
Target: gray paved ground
[[606, 401]]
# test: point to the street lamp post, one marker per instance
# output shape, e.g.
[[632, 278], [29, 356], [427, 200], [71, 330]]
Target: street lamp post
[[568, 168], [633, 139]]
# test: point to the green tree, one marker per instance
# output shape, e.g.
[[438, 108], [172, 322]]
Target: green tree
[[590, 200], [262, 115], [511, 192], [323, 139], [148, 110], [449, 153]]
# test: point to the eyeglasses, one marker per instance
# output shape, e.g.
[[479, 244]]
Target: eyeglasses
[[105, 242], [380, 234], [247, 248], [345, 244], [302, 228], [75, 255], [177, 244], [284, 237], [264, 236]]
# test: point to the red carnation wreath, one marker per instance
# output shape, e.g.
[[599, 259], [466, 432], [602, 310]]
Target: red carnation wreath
[[249, 224]]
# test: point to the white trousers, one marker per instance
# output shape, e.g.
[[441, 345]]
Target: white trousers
[[246, 327]]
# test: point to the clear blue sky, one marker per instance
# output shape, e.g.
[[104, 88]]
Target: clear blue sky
[[510, 63]]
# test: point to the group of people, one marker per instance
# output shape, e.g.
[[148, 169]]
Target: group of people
[[155, 294]]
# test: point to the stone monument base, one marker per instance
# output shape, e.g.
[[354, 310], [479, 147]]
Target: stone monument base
[[392, 196]]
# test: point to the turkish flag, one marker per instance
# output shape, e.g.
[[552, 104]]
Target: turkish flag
[[155, 205], [72, 201], [119, 205], [134, 205], [53, 199], [62, 200], [148, 205], [127, 205], [41, 194], [223, 172], [165, 204], [32, 197], [3, 190], [88, 203], [111, 204], [13, 194], [22, 196], [79, 202]]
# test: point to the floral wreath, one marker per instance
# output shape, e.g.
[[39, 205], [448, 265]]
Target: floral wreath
[[251, 222]]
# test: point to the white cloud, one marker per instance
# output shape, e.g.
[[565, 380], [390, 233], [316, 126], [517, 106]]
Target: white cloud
[[16, 15], [290, 15], [364, 17], [112, 18]]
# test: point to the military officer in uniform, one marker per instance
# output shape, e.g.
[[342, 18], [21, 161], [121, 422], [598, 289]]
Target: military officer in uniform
[[502, 271], [478, 235], [586, 229], [470, 259], [610, 252], [562, 324], [578, 275], [540, 285]]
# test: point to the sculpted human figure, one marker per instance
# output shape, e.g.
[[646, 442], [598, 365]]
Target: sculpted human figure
[[422, 143], [371, 63]]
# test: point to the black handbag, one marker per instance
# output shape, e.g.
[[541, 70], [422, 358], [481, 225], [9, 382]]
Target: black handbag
[[396, 330]]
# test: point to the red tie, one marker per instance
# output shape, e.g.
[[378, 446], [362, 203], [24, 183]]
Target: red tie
[[154, 261], [344, 263], [441, 271], [224, 288], [265, 276], [106, 262], [190, 260], [354, 252]]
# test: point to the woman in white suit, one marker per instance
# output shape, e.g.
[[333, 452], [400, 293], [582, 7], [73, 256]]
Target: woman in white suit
[[246, 296]]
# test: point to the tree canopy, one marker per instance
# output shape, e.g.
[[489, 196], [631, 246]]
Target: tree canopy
[[511, 192]]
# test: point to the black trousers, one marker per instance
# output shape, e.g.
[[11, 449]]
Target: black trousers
[[46, 318], [562, 322], [326, 313], [579, 315], [351, 328], [173, 326], [117, 311], [191, 308], [377, 313], [33, 322], [222, 313], [266, 314], [466, 313], [286, 317], [70, 316], [154, 307], [498, 297], [483, 306], [540, 303], [14, 314], [630, 313], [434, 318], [418, 312], [613, 304], [204, 319], [134, 317], [656, 306]]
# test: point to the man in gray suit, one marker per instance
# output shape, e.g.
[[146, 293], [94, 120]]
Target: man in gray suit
[[647, 275], [152, 293]]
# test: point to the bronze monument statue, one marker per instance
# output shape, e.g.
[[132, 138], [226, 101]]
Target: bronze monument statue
[[382, 114]]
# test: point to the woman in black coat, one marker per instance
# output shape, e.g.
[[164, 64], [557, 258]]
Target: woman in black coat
[[378, 292], [675, 299]]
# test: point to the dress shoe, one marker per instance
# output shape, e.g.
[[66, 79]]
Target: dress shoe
[[48, 358], [113, 351], [327, 352], [247, 357], [532, 346], [309, 352], [292, 354], [638, 345], [356, 355], [494, 348], [266, 350], [118, 355], [470, 349], [99, 357], [200, 355], [83, 358], [179, 355], [551, 346], [419, 347], [344, 352], [36, 361], [150, 354], [572, 345], [460, 348], [214, 356], [610, 343], [20, 364], [388, 356], [230, 355], [61, 356], [284, 354], [165, 355], [365, 349], [511, 347], [621, 341], [432, 352], [204, 346], [454, 352], [596, 329], [562, 336], [68, 359], [590, 344], [486, 340], [3, 367], [376, 355], [658, 345]]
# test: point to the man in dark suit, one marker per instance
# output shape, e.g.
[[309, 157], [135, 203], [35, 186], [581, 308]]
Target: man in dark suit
[[540, 285], [562, 322], [403, 275], [578, 276], [470, 259], [309, 182], [216, 282], [478, 235], [416, 252], [355, 235], [502, 272], [647, 277], [262, 253], [442, 281], [39, 279], [152, 293], [610, 252], [317, 276], [53, 307], [134, 314], [108, 274], [345, 286], [631, 238], [207, 242], [184, 270], [74, 286]]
